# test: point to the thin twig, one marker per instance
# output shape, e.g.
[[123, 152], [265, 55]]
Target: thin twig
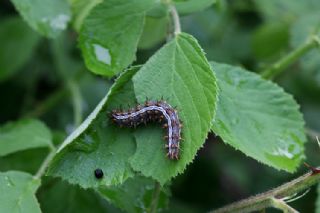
[[266, 199], [283, 63], [50, 102], [155, 198]]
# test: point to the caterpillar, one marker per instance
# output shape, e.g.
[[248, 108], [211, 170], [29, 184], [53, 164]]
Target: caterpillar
[[154, 111]]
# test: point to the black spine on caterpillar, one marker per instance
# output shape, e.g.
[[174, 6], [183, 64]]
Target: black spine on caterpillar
[[153, 111]]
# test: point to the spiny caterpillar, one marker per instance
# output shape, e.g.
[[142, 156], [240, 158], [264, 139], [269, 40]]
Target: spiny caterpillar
[[153, 111]]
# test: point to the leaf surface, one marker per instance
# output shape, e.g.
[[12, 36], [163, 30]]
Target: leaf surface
[[80, 10], [107, 41], [258, 118], [22, 135], [18, 192], [47, 17], [135, 195], [97, 143]]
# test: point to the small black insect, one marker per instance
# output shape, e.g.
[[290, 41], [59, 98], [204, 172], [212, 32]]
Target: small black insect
[[98, 173]]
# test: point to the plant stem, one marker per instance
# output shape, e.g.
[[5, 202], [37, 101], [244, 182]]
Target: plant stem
[[155, 197], [175, 19], [45, 163], [48, 103], [273, 197], [283, 63], [76, 102]]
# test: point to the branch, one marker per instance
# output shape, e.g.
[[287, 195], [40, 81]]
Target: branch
[[282, 205], [276, 197], [283, 63]]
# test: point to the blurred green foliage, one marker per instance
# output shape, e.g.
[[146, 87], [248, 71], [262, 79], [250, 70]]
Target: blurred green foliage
[[36, 75]]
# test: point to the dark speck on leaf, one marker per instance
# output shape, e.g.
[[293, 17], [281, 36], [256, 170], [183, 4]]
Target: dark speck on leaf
[[98, 173]]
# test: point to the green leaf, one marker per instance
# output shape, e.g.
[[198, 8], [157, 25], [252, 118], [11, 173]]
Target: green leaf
[[54, 191], [155, 30], [258, 118], [18, 189], [17, 42], [276, 10], [23, 134], [80, 10], [107, 41], [45, 16], [97, 143], [158, 10], [135, 195], [180, 73], [191, 6]]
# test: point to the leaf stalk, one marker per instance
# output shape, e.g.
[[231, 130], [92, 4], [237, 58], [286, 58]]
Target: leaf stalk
[[175, 19], [45, 163]]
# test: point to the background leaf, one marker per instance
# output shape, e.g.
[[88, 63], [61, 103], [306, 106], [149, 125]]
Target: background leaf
[[80, 10], [191, 6], [239, 33], [273, 9], [45, 16], [318, 200], [107, 41], [18, 189], [135, 195], [23, 134], [274, 127], [181, 74], [17, 41], [70, 198]]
